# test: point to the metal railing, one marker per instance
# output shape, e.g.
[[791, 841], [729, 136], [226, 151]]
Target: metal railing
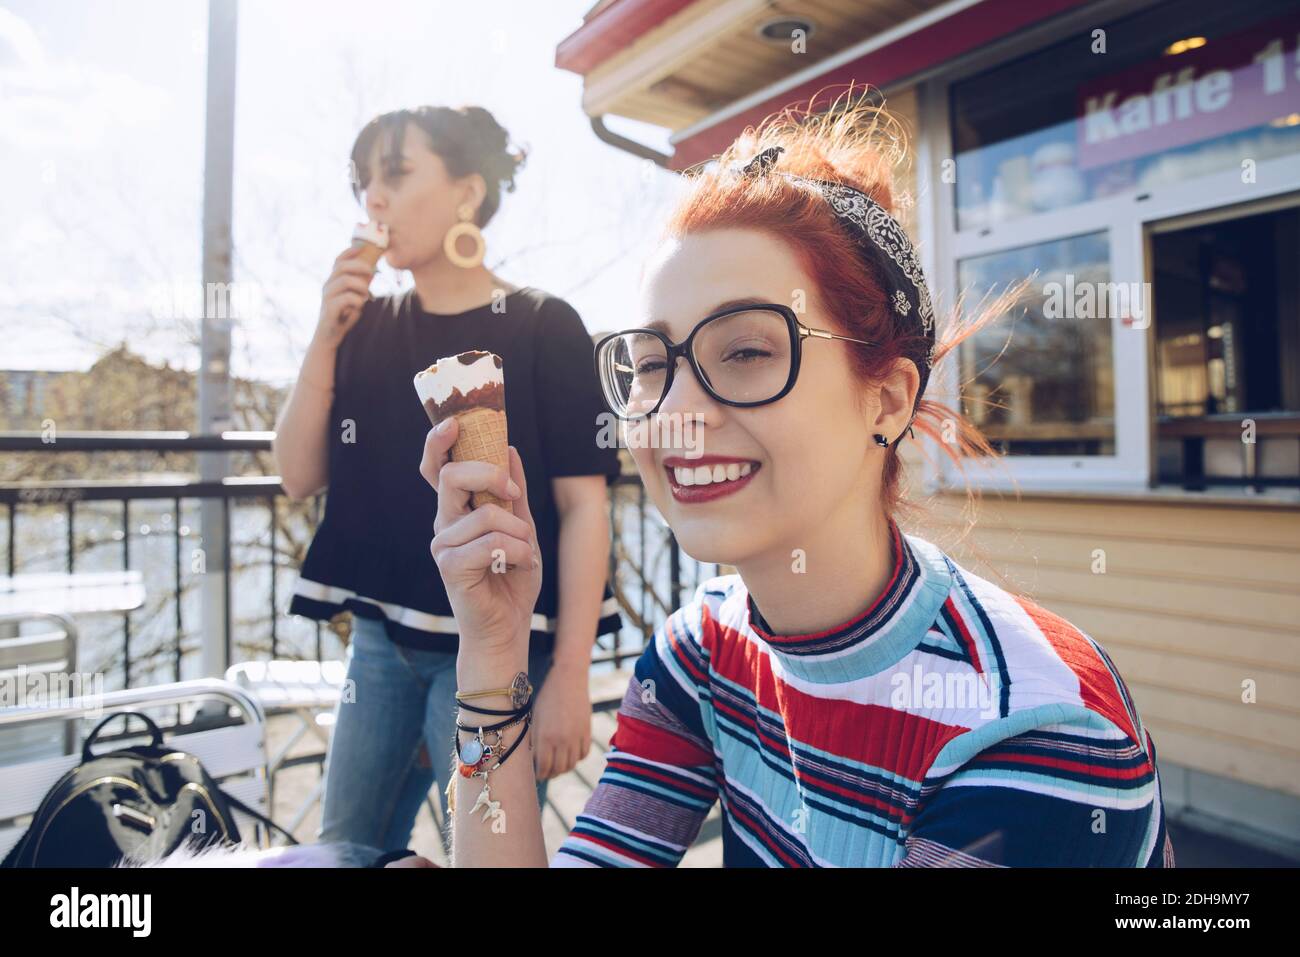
[[647, 592]]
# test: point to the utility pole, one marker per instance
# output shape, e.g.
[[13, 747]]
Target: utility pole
[[214, 365]]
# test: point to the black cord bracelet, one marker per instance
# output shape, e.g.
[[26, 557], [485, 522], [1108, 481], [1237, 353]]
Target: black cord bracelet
[[525, 716], [527, 724], [455, 743], [515, 712], [499, 726]]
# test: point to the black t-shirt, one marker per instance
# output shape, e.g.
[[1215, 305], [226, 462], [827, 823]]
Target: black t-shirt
[[371, 551]]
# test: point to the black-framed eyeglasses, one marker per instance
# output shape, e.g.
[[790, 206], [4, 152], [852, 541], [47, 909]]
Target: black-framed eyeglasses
[[744, 356]]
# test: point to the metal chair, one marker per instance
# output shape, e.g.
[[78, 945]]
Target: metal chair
[[309, 691], [49, 654], [234, 754]]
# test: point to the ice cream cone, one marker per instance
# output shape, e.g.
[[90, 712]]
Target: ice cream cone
[[372, 241], [471, 387], [483, 439]]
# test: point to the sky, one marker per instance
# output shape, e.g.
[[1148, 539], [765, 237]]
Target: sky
[[101, 152]]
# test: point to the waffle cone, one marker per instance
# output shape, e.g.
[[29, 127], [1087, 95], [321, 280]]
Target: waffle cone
[[370, 253], [483, 438]]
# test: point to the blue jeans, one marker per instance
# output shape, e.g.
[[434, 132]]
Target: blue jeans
[[402, 698]]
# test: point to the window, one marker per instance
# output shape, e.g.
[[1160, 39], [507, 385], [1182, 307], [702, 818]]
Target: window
[[1071, 157], [1053, 391], [1172, 94], [1227, 352]]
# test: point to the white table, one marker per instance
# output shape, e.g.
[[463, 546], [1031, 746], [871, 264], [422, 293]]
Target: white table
[[56, 598], [308, 690], [79, 593]]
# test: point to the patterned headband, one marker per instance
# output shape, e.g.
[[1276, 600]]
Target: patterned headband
[[881, 242]]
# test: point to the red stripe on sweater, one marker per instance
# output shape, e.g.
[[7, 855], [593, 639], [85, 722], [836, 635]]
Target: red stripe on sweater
[[963, 635], [801, 770], [642, 771], [761, 833], [1097, 688], [617, 848], [1043, 761], [675, 644], [657, 744], [878, 736]]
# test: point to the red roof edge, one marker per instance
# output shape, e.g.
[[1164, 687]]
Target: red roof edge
[[946, 39], [612, 29]]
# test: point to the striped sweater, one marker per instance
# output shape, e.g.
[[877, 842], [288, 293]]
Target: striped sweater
[[951, 724]]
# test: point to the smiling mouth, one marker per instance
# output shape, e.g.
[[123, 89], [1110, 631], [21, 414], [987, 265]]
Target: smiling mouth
[[707, 483], [700, 475]]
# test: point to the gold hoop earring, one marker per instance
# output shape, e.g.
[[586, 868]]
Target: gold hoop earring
[[464, 228]]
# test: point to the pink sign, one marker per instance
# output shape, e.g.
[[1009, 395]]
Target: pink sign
[[1231, 83]]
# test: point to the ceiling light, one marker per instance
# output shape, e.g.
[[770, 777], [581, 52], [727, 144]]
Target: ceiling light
[[781, 30]]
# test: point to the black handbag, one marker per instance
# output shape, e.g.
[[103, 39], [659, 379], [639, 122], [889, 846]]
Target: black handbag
[[144, 801]]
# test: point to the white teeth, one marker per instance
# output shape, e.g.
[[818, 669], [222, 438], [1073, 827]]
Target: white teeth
[[706, 475]]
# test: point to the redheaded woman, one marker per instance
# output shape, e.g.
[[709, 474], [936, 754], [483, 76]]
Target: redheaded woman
[[852, 696]]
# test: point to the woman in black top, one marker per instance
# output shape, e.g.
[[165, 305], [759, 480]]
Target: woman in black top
[[353, 423]]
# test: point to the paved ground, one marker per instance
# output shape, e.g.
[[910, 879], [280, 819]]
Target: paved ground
[[1194, 848]]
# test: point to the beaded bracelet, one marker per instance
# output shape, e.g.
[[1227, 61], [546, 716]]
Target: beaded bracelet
[[471, 758], [475, 768], [475, 753]]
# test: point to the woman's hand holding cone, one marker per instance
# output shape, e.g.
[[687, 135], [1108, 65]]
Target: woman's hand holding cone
[[343, 296], [488, 558]]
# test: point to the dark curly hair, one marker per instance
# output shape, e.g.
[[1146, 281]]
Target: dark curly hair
[[467, 138]]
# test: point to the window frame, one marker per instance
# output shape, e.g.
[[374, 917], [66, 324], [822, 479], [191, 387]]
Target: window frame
[[1126, 219]]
